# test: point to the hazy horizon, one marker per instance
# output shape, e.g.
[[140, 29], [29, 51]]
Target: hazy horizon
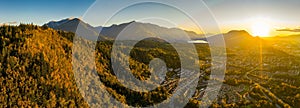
[[224, 32], [278, 17]]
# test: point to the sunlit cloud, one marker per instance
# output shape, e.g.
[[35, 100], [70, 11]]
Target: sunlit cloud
[[9, 23], [289, 30]]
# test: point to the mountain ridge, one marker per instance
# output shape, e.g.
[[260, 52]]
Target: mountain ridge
[[111, 32], [133, 30]]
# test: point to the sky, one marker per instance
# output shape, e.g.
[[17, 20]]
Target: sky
[[41, 11], [240, 14], [280, 16]]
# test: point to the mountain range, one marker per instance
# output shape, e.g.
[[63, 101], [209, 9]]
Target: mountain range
[[133, 30]]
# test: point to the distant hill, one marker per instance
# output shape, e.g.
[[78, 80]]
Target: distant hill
[[240, 38], [147, 29], [134, 29], [234, 38]]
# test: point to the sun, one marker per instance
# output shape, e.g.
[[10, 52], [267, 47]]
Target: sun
[[260, 28]]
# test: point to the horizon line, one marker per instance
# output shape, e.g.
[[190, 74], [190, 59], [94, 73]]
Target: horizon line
[[15, 23]]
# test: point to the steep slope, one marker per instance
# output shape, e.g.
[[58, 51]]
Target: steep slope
[[35, 68], [74, 24], [70, 25]]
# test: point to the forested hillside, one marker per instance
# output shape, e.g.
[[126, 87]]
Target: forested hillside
[[36, 68]]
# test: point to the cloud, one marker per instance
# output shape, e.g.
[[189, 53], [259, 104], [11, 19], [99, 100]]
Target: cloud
[[12, 22], [9, 23], [289, 30]]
